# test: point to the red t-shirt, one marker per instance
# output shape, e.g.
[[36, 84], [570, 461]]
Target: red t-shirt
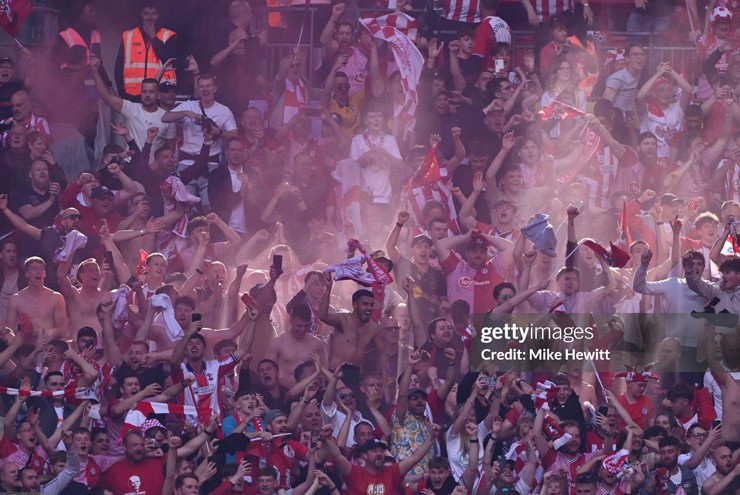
[[145, 478], [281, 458], [640, 412], [387, 482]]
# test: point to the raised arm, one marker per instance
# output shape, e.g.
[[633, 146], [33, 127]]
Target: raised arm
[[327, 34], [392, 241], [417, 326], [17, 221], [539, 439], [324, 314], [113, 101], [507, 144], [89, 373], [112, 351], [409, 462], [447, 244]]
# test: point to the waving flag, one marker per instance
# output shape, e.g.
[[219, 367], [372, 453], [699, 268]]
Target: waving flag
[[430, 184], [398, 29], [615, 257], [136, 416], [12, 14], [557, 110]]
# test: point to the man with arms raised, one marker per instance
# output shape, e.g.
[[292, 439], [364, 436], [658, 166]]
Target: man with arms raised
[[730, 395], [296, 345], [353, 331], [44, 307]]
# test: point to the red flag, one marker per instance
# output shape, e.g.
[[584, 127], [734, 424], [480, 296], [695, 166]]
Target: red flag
[[615, 257], [557, 110], [12, 15], [429, 172], [625, 228]]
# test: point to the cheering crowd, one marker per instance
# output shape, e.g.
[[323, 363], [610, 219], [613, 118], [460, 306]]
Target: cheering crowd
[[277, 285]]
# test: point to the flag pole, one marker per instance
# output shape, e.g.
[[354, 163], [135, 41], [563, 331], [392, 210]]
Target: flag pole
[[19, 44]]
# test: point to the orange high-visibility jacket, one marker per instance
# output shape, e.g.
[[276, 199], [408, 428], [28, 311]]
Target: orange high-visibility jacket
[[140, 61], [73, 38]]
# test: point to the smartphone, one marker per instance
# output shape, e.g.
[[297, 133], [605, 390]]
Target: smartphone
[[277, 262], [108, 258], [499, 65], [351, 374], [590, 35], [578, 205], [603, 410], [716, 423], [196, 317], [249, 300], [313, 113], [132, 280]]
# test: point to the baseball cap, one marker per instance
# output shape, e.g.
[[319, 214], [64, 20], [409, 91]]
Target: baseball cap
[[100, 191], [669, 198], [167, 86], [69, 212], [477, 242], [416, 390], [421, 238], [7, 60], [272, 414], [373, 444]]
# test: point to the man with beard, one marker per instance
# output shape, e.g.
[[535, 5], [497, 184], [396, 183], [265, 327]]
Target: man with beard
[[648, 172], [136, 361], [354, 331], [670, 476], [375, 476], [474, 278], [409, 424], [145, 475], [206, 374], [311, 295], [39, 204], [726, 480], [296, 345], [268, 372], [569, 456], [140, 117], [278, 451], [335, 414], [430, 287]]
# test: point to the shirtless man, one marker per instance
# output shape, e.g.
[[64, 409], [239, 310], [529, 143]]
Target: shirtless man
[[46, 308], [296, 346], [139, 213], [730, 391], [353, 331], [83, 302], [156, 269], [726, 479], [184, 308]]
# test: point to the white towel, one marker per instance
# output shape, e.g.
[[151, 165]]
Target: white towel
[[120, 310], [72, 242], [170, 323]]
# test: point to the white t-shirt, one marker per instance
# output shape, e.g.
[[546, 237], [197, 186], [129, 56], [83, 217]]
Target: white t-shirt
[[139, 120], [376, 178], [663, 126], [237, 220], [703, 471], [193, 134], [459, 460]]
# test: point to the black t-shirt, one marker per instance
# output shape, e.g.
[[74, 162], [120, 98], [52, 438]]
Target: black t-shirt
[[6, 91], [147, 376]]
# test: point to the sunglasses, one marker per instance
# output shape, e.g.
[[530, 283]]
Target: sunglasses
[[506, 297], [346, 396], [74, 217]]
